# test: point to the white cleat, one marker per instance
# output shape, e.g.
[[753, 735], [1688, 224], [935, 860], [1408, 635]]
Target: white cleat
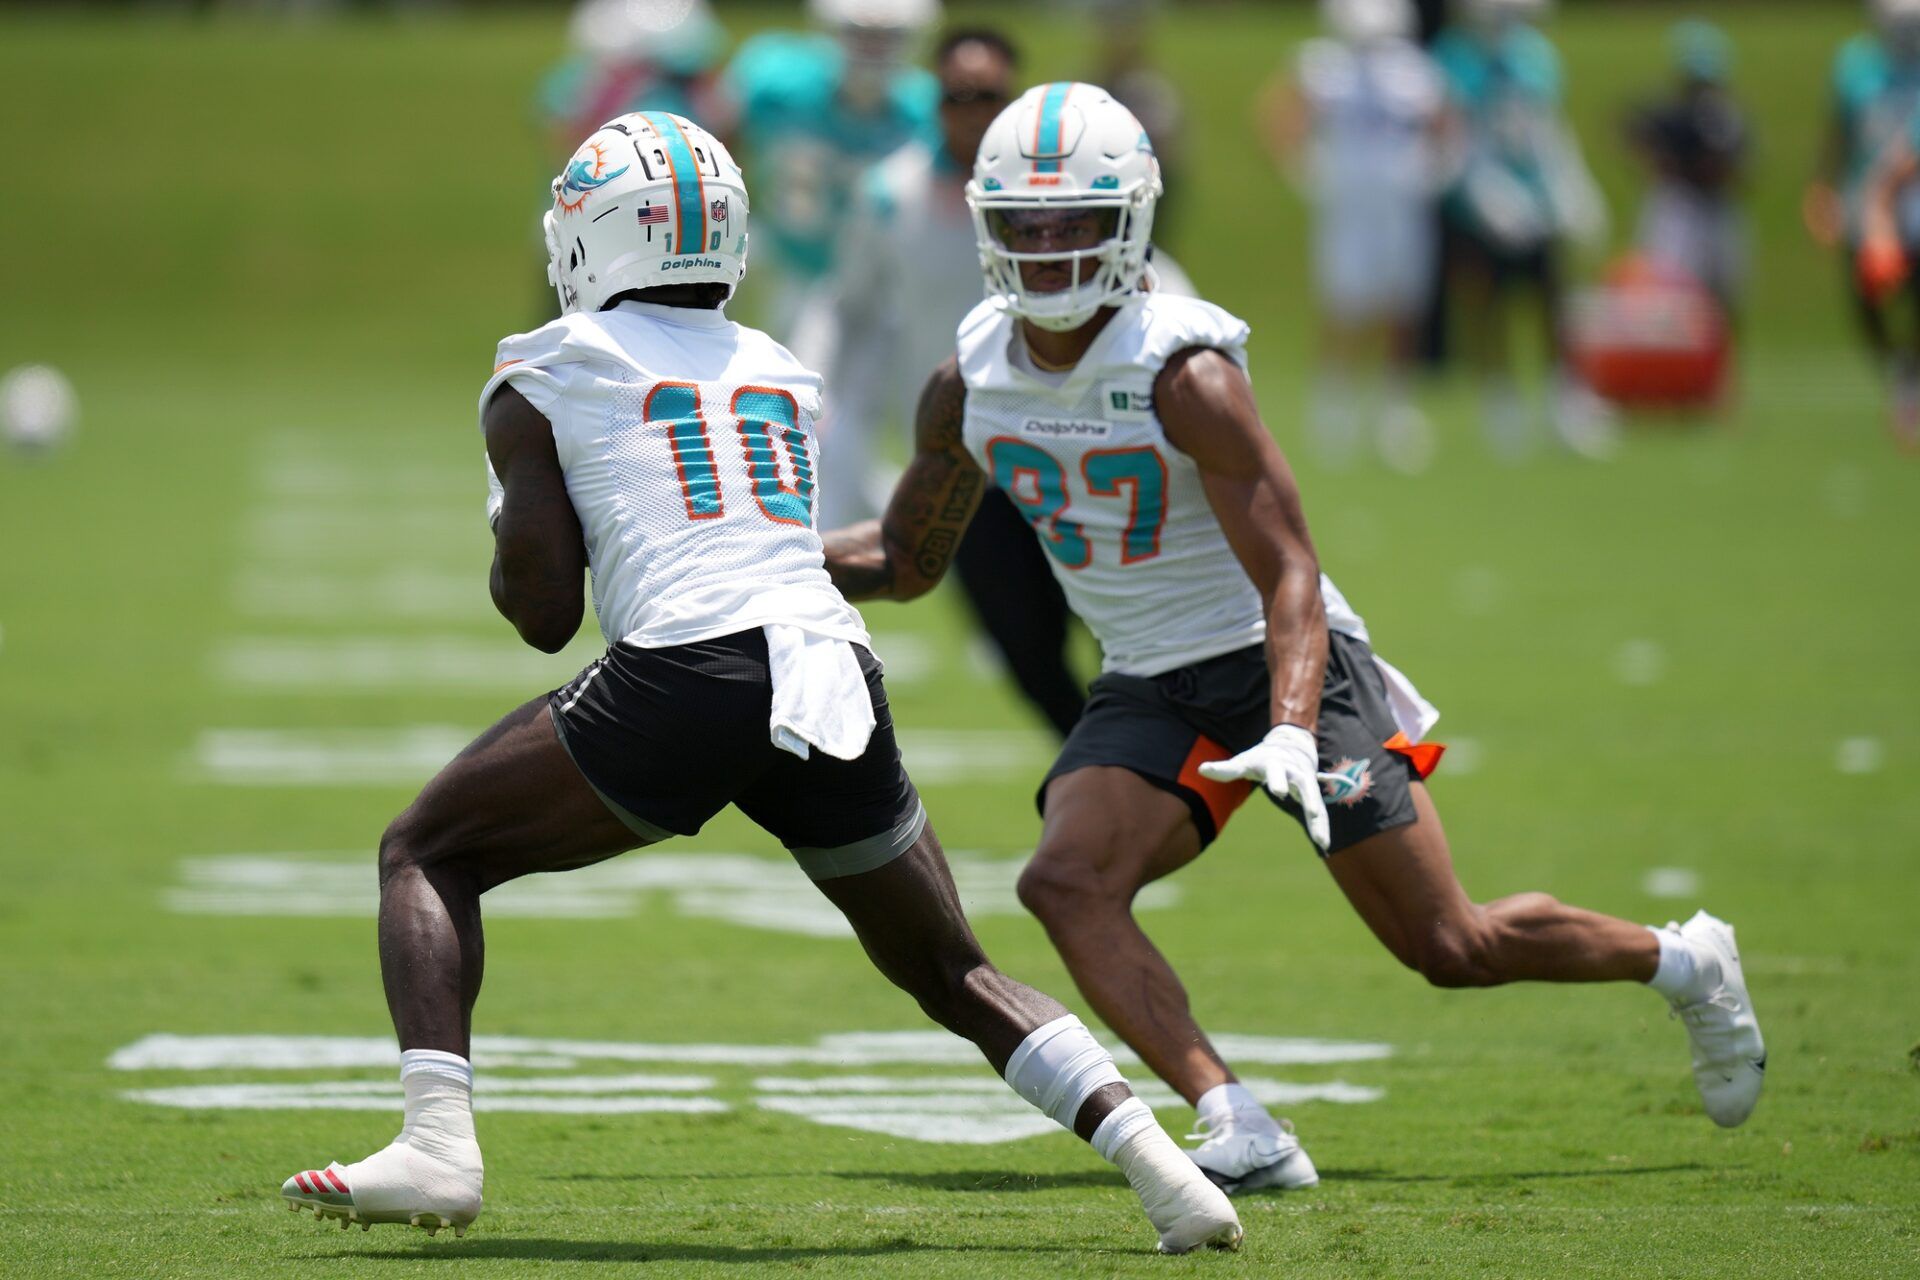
[[395, 1184], [1242, 1157], [1729, 1057], [1188, 1211]]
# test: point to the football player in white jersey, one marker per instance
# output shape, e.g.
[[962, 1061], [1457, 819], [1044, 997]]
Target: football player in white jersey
[[1124, 424], [645, 438]]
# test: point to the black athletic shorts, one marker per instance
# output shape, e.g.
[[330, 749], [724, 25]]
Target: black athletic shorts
[[669, 737], [1165, 727]]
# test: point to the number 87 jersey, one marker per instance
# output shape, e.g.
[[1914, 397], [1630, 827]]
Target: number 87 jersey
[[688, 447], [1120, 511]]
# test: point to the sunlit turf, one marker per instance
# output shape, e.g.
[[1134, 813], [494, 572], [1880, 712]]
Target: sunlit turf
[[275, 263]]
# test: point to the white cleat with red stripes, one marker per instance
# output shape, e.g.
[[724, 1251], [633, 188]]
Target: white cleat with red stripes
[[397, 1184]]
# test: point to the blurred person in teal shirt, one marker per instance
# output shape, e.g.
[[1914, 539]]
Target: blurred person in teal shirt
[[1875, 95], [1522, 190], [814, 112], [633, 55]]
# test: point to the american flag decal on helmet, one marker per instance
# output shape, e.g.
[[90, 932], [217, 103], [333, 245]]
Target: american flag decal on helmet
[[652, 214]]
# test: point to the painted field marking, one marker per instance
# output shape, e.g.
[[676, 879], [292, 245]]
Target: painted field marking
[[1859, 755], [1640, 663], [408, 756], [333, 665], [1670, 882], [403, 592], [974, 1108], [738, 888]]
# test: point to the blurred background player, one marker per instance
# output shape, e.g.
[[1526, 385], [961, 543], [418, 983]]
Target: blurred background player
[[908, 273], [632, 55], [1876, 91], [1523, 190], [1695, 144], [1359, 125], [814, 111]]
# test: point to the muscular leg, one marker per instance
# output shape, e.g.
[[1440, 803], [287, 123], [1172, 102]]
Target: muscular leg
[[1403, 885], [511, 804], [907, 915], [1109, 832]]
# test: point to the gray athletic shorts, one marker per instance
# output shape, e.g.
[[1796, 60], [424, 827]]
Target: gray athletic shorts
[[1165, 727]]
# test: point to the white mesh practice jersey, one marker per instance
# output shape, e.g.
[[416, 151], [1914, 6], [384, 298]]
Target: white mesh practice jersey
[[688, 447], [1130, 534]]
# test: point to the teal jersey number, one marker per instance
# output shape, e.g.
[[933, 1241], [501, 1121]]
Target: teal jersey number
[[1037, 483], [763, 415], [1142, 473], [677, 404], [762, 412]]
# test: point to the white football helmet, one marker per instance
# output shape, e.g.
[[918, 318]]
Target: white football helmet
[[650, 198], [1065, 148], [1365, 21]]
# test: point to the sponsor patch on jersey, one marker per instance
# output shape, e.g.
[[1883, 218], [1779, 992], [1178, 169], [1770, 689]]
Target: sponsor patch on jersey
[[1065, 429], [1126, 403]]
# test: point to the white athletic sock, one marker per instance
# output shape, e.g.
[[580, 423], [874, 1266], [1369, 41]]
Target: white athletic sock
[[1059, 1066], [1224, 1104], [439, 1114], [1678, 976], [1123, 1125]]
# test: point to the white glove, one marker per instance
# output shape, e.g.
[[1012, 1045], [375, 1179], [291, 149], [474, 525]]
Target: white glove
[[1287, 763]]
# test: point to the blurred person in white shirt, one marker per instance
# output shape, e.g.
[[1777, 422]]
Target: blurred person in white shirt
[[1359, 123]]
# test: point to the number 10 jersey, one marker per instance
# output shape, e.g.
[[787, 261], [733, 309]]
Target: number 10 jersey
[[688, 446], [1121, 512]]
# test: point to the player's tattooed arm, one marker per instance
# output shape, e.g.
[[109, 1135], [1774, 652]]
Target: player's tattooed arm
[[1206, 405], [906, 552], [539, 552]]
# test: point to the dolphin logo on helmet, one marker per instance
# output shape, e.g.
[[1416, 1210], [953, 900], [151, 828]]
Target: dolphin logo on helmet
[[679, 188], [582, 177]]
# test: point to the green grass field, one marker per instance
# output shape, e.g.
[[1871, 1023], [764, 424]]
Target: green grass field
[[244, 615]]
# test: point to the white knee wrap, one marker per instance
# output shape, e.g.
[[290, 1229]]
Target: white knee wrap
[[1059, 1066]]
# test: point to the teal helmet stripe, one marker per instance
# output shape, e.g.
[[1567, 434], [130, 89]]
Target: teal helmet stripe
[[689, 207], [1046, 140]]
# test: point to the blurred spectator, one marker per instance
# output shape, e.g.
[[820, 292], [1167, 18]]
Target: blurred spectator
[[1876, 92], [1364, 109], [1695, 143], [633, 55], [814, 112], [1523, 190]]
